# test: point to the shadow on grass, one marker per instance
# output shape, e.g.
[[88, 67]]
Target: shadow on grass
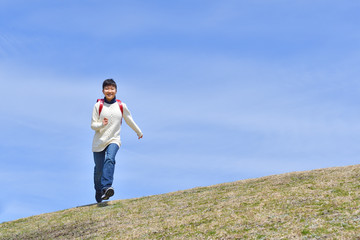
[[103, 204], [100, 205]]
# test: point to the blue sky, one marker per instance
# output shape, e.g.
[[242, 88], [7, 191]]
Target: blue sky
[[222, 90]]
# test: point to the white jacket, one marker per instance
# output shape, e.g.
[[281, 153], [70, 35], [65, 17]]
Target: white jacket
[[110, 133]]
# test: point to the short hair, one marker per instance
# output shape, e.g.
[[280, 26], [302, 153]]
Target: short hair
[[109, 82]]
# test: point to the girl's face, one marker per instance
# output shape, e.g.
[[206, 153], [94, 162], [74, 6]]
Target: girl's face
[[109, 92]]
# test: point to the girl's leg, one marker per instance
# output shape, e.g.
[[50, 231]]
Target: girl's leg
[[109, 166], [99, 158]]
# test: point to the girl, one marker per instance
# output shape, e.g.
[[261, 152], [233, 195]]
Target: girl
[[106, 122]]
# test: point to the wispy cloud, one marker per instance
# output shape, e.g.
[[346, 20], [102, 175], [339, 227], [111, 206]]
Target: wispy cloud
[[9, 46]]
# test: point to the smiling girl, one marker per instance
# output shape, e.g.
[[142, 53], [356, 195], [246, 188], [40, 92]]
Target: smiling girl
[[106, 122]]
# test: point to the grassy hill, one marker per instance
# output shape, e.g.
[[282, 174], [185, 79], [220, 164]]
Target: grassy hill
[[318, 204]]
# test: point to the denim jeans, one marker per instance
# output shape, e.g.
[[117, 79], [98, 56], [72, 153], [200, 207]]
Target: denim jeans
[[104, 167]]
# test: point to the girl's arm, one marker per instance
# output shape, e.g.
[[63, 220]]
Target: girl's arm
[[129, 120], [96, 123]]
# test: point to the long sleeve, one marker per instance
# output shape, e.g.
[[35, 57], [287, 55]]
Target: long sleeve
[[129, 120], [110, 133], [96, 123]]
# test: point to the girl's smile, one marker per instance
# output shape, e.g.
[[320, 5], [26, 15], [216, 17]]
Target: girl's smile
[[109, 92]]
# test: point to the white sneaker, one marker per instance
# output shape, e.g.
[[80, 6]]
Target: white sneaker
[[108, 193]]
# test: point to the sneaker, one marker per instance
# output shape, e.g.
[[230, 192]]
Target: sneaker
[[109, 192], [98, 196]]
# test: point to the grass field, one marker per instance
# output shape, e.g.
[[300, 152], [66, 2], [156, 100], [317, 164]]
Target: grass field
[[318, 204]]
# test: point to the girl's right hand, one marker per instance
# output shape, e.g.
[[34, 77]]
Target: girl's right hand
[[105, 121]]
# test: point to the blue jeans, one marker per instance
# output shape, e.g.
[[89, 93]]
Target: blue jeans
[[104, 167]]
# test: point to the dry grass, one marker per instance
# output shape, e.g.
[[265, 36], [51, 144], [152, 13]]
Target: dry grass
[[318, 204]]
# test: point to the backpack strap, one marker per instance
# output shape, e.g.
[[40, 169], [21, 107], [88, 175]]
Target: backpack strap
[[121, 109], [121, 106], [101, 105]]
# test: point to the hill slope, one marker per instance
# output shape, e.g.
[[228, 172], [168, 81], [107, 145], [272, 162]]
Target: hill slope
[[315, 204]]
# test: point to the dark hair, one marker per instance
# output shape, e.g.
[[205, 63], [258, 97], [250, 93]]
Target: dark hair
[[109, 82]]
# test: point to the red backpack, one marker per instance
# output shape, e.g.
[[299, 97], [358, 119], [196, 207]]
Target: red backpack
[[102, 104]]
